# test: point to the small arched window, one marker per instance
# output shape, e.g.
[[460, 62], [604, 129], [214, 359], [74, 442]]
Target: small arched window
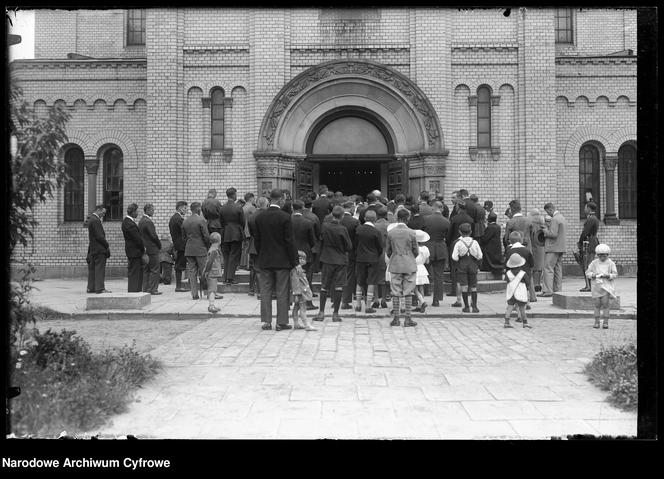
[[627, 182], [483, 117], [113, 178], [73, 191], [217, 105], [588, 177]]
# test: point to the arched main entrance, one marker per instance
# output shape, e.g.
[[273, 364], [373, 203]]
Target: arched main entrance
[[343, 117]]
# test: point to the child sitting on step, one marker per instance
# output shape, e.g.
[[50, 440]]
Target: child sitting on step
[[601, 272], [516, 292]]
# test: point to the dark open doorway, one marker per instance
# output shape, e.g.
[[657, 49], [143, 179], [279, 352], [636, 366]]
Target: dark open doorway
[[351, 178]]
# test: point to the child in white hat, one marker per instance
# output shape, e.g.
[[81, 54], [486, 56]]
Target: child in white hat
[[422, 276], [517, 291], [601, 272]]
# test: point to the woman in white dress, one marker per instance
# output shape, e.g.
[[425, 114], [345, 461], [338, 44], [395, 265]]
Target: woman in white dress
[[422, 277]]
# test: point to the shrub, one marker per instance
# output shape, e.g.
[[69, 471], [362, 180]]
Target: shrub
[[65, 386], [614, 369]]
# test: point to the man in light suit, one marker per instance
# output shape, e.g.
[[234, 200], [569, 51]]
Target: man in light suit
[[438, 228], [232, 224], [554, 248], [152, 244], [134, 249], [98, 251], [518, 222], [197, 242], [402, 249]]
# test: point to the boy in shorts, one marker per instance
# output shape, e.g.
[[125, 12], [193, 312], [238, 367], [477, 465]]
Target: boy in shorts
[[467, 253]]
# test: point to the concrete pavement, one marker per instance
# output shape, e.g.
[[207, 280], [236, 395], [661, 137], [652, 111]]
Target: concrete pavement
[[451, 377]]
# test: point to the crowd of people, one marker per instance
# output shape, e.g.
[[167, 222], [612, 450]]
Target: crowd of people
[[369, 251]]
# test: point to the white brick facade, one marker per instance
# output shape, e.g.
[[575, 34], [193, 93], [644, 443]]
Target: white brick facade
[[548, 100]]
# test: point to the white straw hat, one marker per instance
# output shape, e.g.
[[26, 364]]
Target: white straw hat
[[602, 249], [515, 261], [422, 236]]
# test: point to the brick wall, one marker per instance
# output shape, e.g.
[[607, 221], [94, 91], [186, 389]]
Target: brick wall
[[155, 110]]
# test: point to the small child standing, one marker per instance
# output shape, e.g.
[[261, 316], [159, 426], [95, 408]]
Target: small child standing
[[517, 291], [467, 253], [603, 271], [212, 270], [166, 259], [301, 294], [422, 276]]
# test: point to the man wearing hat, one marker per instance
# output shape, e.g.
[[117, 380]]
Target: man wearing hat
[[554, 248]]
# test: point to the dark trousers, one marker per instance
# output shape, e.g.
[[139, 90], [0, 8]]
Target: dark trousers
[[309, 271], [436, 269], [271, 280], [151, 274], [166, 272], [351, 283], [135, 275], [96, 272], [232, 250]]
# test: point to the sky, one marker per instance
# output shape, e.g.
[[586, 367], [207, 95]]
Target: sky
[[24, 25]]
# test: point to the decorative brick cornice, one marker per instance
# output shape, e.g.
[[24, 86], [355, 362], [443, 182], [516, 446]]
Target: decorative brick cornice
[[596, 60], [114, 63]]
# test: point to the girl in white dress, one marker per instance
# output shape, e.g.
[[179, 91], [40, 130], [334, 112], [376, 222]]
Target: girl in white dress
[[602, 271], [422, 276]]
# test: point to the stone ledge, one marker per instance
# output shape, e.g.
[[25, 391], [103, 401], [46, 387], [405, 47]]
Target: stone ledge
[[583, 301], [114, 301]]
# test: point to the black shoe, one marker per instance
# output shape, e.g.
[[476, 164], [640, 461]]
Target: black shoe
[[167, 283], [526, 325], [507, 325], [538, 289], [280, 327], [266, 326], [456, 304], [232, 281], [369, 310], [195, 297], [435, 303], [584, 290], [395, 322], [518, 320], [423, 307], [409, 323], [383, 304], [346, 306], [475, 310], [319, 317], [314, 295], [103, 291], [528, 308], [336, 318], [90, 291], [156, 293], [375, 305], [466, 309]]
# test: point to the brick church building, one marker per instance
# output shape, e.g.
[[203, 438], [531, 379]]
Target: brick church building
[[538, 105]]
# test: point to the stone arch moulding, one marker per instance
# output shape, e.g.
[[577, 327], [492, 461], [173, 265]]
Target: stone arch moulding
[[619, 137], [122, 140], [331, 85], [582, 135], [78, 137]]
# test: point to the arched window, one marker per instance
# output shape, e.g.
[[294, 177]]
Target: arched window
[[113, 176], [588, 177], [217, 105], [73, 191], [627, 182], [483, 117]]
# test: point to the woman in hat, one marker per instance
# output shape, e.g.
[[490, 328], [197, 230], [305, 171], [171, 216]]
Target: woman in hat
[[601, 272], [517, 291], [422, 276], [537, 245]]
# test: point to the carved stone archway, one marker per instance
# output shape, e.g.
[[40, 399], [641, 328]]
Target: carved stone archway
[[395, 100]]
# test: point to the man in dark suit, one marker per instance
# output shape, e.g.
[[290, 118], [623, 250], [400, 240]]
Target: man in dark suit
[[98, 251], [351, 224], [322, 206], [457, 220], [211, 209], [262, 204], [152, 244], [424, 208], [478, 215], [232, 224], [175, 228], [416, 220], [305, 239], [276, 257], [334, 260], [368, 251], [197, 242], [438, 228], [589, 235], [134, 250], [373, 204]]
